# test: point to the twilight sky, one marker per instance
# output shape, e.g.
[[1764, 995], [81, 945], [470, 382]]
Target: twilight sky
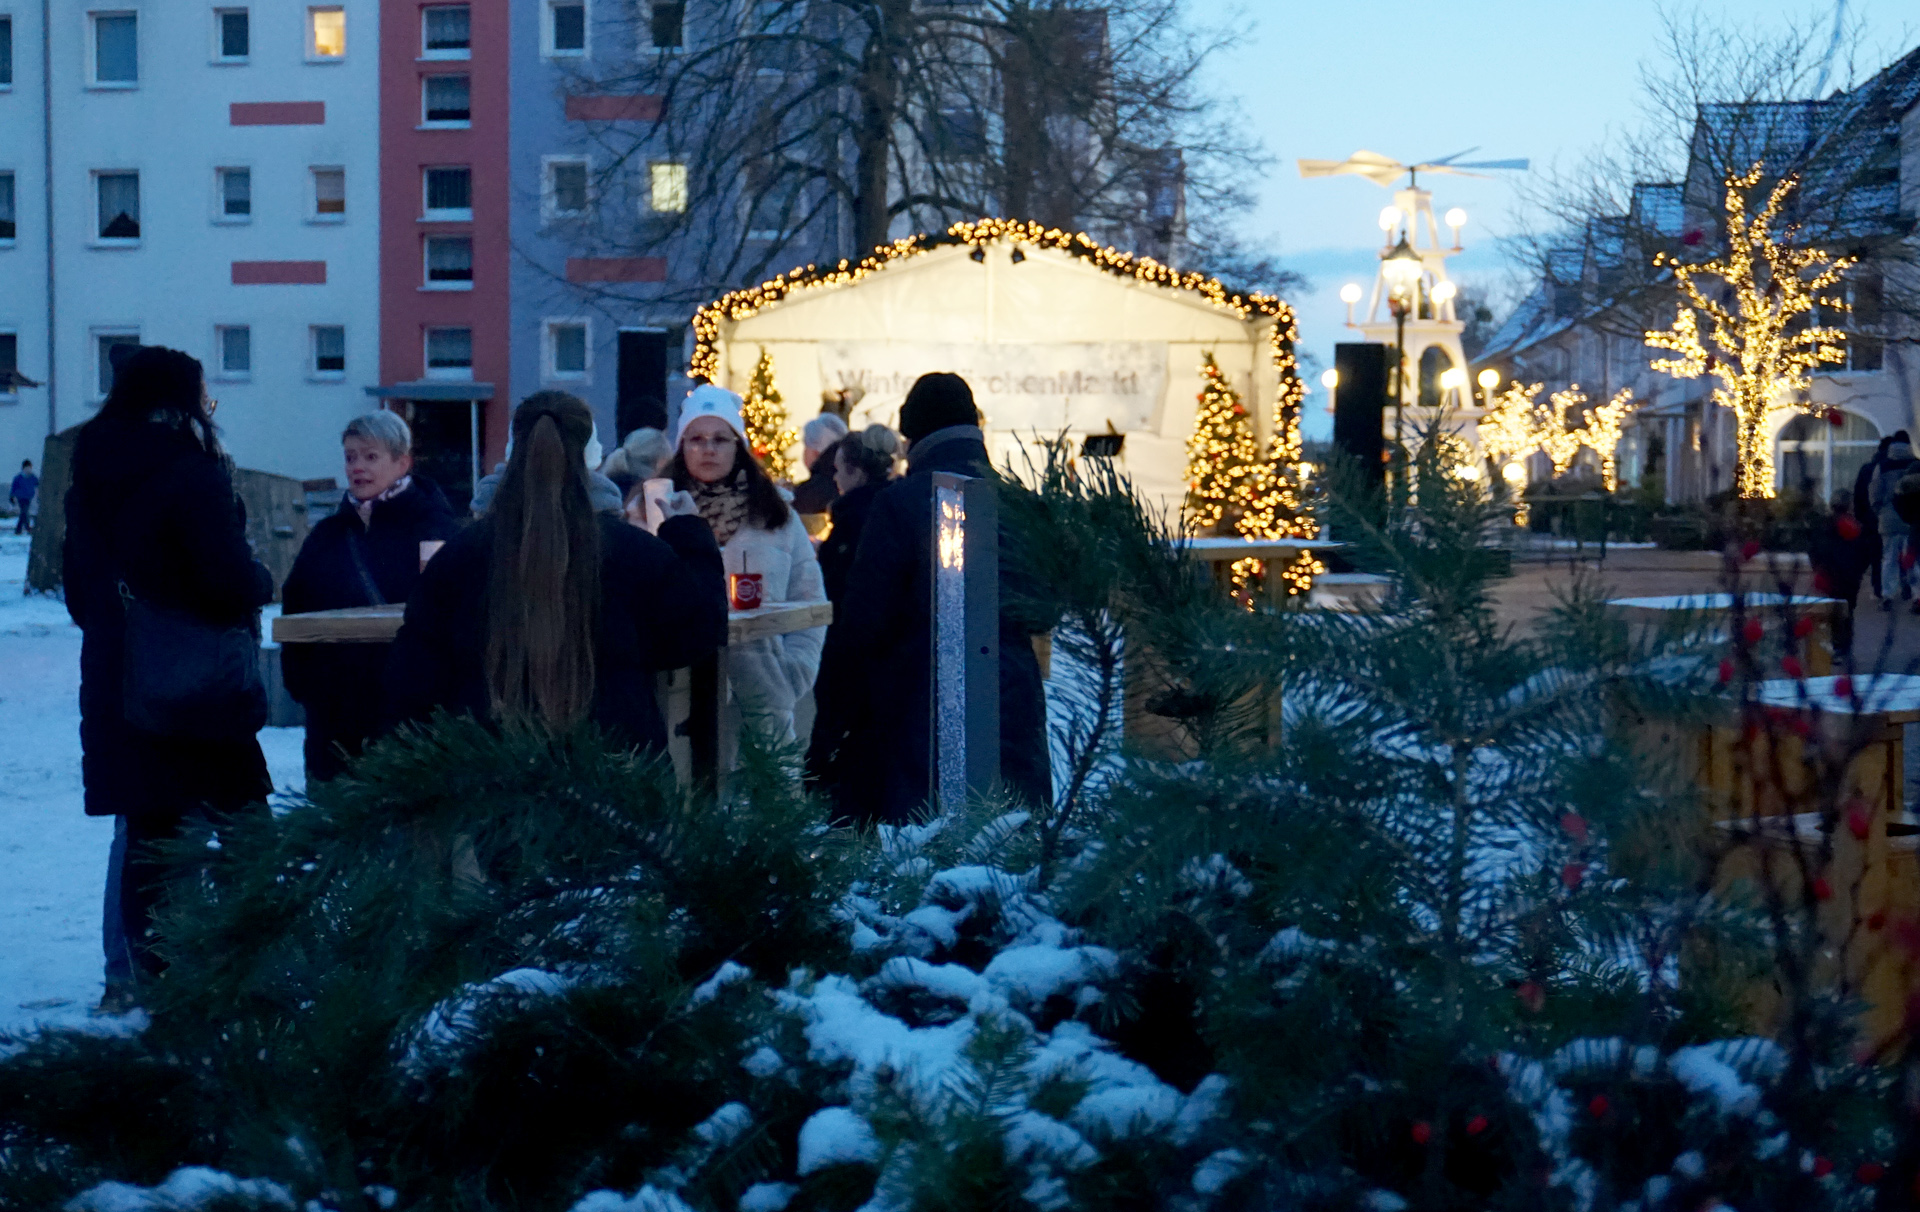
[[1541, 79]]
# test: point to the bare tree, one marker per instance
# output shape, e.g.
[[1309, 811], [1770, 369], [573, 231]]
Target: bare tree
[[793, 130]]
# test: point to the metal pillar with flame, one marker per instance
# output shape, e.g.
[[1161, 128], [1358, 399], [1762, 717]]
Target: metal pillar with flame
[[966, 639]]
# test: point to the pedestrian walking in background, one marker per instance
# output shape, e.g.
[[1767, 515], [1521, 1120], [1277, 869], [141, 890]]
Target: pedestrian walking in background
[[1863, 510], [1896, 562], [863, 467], [549, 612], [156, 533], [1840, 554], [888, 619], [25, 485], [766, 549], [636, 460], [818, 437], [369, 553]]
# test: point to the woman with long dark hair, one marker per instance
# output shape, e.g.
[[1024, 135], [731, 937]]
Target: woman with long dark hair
[[546, 613], [152, 517]]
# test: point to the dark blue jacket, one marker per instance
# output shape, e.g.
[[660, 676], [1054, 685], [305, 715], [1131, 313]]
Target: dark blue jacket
[[24, 486]]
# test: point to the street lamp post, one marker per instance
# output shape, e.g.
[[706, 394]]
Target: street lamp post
[[1402, 268]]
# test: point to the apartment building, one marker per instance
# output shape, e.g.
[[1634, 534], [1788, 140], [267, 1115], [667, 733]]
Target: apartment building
[[25, 305]]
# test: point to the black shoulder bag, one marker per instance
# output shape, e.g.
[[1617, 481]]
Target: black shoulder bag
[[189, 678]]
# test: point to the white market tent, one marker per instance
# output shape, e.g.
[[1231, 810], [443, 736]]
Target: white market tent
[[1053, 331]]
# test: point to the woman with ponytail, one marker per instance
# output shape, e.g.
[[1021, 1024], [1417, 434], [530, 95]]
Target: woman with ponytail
[[549, 614]]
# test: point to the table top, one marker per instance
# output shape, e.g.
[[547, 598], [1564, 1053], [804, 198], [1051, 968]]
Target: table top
[[379, 624], [1712, 602], [1254, 549], [1895, 697]]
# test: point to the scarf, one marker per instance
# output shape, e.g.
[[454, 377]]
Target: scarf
[[723, 504], [365, 508]]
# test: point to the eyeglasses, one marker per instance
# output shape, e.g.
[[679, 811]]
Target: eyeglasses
[[720, 443]]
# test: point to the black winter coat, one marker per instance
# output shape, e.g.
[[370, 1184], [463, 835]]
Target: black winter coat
[[342, 685], [841, 664], [150, 507], [883, 625], [663, 605]]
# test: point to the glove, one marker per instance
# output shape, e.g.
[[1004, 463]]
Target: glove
[[679, 505]]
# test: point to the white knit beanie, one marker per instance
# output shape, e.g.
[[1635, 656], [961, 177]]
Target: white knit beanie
[[707, 400]]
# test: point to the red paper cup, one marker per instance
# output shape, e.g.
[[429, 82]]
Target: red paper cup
[[743, 588]]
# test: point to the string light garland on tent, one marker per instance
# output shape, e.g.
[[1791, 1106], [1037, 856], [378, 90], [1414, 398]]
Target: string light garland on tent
[[1276, 508], [1764, 343], [765, 414]]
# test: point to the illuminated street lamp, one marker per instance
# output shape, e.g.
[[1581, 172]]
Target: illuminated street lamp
[[1401, 267]]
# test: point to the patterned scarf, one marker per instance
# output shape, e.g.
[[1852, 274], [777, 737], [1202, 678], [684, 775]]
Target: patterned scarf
[[723, 504], [365, 508]]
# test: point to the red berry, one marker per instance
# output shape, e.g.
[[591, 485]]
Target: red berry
[[1790, 665], [1836, 419], [1726, 671], [1576, 827], [1848, 526], [1599, 1106], [1906, 558], [1870, 1172], [1753, 630], [1422, 1132], [1476, 1125], [1859, 821], [1749, 549], [1822, 889], [1877, 920], [1820, 582], [1803, 626], [1572, 874], [1843, 687], [1822, 1167], [1531, 995]]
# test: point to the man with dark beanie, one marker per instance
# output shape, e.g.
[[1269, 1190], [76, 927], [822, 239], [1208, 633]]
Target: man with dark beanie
[[886, 616]]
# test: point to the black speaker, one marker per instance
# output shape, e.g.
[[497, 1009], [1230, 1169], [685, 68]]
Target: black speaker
[[1360, 407]]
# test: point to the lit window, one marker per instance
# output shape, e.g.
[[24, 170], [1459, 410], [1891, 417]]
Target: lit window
[[119, 205], [567, 351], [329, 350], [112, 347], [450, 262], [231, 28], [236, 350], [116, 49], [446, 32], [330, 193], [450, 353], [668, 21], [447, 99], [7, 212], [667, 187], [566, 27], [326, 33], [236, 193], [6, 51], [449, 194], [566, 187]]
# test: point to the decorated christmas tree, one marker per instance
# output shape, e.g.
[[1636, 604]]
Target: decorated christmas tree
[[1223, 456], [766, 417]]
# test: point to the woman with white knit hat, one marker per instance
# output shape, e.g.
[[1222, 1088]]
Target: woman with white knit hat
[[759, 535]]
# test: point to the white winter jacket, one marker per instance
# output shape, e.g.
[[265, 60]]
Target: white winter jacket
[[770, 675]]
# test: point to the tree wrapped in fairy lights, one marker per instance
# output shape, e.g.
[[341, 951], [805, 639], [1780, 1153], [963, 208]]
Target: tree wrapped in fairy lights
[[1518, 425], [766, 416], [1223, 456], [1763, 337]]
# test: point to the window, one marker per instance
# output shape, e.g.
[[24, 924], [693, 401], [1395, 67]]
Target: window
[[567, 350], [329, 343], [235, 344], [111, 348], [667, 187], [119, 209], [6, 51], [330, 194], [668, 21], [116, 50], [326, 34], [566, 27], [9, 363], [7, 213], [236, 194], [450, 262], [232, 36], [450, 353], [449, 194], [446, 32], [1820, 458], [447, 99], [566, 187]]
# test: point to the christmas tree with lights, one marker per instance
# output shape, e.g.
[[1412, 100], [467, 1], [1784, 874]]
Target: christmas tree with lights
[[1223, 456], [766, 417]]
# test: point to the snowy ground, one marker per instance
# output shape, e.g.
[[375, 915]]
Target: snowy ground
[[52, 856]]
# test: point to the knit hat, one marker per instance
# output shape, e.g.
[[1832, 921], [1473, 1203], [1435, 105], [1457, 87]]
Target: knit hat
[[936, 401], [707, 400]]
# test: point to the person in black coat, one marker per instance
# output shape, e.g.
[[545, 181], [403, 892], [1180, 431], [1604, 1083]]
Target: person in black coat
[[1863, 510], [862, 468], [152, 512], [886, 627], [369, 553], [545, 612]]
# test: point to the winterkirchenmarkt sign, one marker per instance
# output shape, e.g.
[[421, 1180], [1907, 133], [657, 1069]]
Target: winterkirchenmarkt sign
[[1044, 388]]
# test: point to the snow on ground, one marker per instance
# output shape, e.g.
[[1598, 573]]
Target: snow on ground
[[52, 855]]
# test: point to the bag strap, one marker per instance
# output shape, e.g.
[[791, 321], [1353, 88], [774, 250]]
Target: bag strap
[[355, 548]]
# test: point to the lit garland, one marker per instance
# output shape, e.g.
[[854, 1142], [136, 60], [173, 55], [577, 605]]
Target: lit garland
[[1764, 342], [1278, 508], [765, 414]]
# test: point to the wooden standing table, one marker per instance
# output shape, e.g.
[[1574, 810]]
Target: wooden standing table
[[1717, 611]]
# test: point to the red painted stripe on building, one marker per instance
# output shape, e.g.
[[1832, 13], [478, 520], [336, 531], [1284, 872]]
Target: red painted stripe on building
[[616, 269], [279, 273], [277, 113], [622, 107]]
